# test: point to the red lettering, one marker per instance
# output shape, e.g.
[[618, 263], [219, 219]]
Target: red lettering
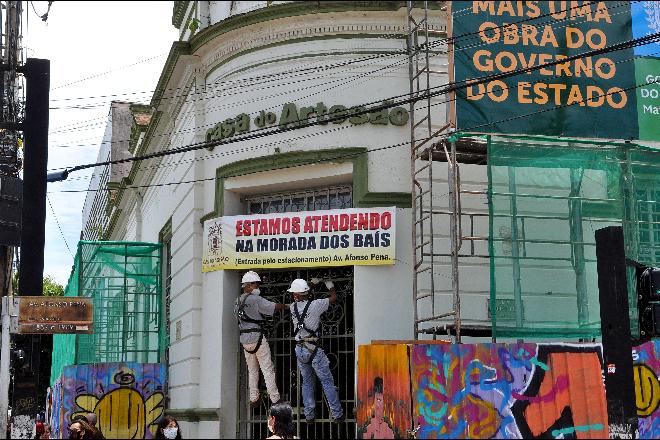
[[324, 223], [286, 225], [274, 226], [374, 220], [255, 226], [295, 225], [239, 225], [343, 222], [363, 221], [353, 222], [334, 223], [386, 220], [263, 227]]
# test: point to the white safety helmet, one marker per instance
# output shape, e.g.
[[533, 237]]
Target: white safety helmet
[[250, 277], [299, 286]]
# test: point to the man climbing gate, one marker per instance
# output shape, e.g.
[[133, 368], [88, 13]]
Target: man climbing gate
[[312, 360], [250, 309]]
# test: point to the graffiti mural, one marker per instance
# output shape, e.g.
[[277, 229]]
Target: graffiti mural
[[646, 368], [383, 405], [127, 398], [509, 391]]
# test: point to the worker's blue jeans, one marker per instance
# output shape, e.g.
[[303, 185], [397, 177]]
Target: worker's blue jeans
[[320, 366]]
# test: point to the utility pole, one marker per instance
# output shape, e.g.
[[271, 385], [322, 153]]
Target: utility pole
[[11, 118]]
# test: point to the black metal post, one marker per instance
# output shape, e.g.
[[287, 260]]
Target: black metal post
[[37, 74], [615, 326]]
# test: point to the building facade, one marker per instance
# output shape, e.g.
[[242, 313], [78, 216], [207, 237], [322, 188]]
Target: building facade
[[243, 68]]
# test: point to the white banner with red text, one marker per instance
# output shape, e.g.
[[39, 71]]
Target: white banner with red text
[[340, 237]]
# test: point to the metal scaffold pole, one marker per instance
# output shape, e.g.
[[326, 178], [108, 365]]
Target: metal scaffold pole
[[429, 316]]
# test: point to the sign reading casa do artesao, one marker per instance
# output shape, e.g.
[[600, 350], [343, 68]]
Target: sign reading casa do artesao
[[341, 237], [592, 96], [53, 314], [292, 115]]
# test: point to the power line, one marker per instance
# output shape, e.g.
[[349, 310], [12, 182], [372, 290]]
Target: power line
[[58, 225], [334, 158], [446, 89], [236, 104], [108, 71], [388, 36], [87, 178]]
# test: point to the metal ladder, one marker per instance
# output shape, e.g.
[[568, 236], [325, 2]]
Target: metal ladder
[[428, 318]]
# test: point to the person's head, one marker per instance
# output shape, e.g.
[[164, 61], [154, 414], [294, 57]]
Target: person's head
[[250, 282], [379, 405], [91, 418], [40, 428], [80, 417], [80, 429], [46, 433], [280, 420], [300, 289], [168, 428]]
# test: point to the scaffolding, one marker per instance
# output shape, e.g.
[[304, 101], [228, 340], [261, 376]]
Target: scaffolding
[[431, 316], [124, 280]]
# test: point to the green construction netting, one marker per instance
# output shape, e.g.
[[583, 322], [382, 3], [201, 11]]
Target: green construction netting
[[124, 278], [547, 199]]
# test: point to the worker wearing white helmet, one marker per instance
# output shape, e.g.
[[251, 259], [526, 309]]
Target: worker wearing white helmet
[[312, 360], [250, 309]]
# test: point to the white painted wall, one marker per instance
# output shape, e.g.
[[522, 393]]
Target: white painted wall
[[204, 347]]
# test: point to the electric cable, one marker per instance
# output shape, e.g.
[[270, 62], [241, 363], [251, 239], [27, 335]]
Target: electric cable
[[446, 89], [148, 167], [407, 142], [271, 96], [58, 225]]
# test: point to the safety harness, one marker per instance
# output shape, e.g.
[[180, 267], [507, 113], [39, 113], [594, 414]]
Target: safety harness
[[300, 317], [241, 315]]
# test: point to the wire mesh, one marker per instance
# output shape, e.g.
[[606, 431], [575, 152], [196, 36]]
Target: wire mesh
[[124, 280], [547, 198]]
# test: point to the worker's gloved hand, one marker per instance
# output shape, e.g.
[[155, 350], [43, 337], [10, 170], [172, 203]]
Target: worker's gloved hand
[[315, 281], [329, 284]]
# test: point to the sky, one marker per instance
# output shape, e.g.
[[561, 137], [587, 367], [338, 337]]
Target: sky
[[98, 52]]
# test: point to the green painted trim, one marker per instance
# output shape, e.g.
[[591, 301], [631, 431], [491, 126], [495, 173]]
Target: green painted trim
[[195, 414], [179, 10], [308, 55], [293, 9], [113, 223], [186, 22], [178, 49], [362, 198], [165, 232], [126, 181]]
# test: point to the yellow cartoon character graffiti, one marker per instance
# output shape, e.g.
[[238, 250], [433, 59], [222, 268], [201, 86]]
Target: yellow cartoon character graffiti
[[123, 412]]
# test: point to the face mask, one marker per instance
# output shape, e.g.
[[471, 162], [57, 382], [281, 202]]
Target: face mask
[[256, 291], [170, 432]]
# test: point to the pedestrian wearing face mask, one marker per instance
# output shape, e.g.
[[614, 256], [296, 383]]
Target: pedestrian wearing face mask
[[81, 430], [168, 428], [250, 309], [280, 422]]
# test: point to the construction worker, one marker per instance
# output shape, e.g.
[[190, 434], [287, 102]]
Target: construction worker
[[312, 360], [250, 309]]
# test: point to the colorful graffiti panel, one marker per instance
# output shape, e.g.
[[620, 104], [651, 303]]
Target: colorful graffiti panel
[[646, 369], [127, 398], [509, 391], [383, 405]]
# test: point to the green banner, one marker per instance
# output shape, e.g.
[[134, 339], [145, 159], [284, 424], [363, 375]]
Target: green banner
[[647, 70], [592, 97]]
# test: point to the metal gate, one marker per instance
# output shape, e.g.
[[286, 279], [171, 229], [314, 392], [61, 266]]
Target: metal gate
[[338, 343], [337, 326]]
